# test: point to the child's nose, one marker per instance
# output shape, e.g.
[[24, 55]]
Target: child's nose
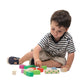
[[56, 33]]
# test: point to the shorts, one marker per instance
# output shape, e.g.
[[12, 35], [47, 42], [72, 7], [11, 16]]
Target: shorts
[[45, 56]]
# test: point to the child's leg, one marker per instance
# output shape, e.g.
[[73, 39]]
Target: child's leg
[[26, 57], [47, 60], [51, 63]]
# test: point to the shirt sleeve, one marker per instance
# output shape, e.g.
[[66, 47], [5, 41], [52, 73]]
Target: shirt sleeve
[[43, 42], [70, 46]]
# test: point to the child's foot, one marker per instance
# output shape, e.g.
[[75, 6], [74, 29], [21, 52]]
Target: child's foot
[[13, 60]]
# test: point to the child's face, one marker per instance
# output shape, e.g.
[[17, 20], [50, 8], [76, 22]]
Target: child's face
[[57, 31]]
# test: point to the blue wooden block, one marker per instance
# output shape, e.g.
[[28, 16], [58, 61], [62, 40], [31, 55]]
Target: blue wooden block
[[54, 68]]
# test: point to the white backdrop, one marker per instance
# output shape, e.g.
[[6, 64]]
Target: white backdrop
[[23, 23]]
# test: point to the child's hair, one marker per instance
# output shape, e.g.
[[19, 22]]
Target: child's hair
[[62, 17]]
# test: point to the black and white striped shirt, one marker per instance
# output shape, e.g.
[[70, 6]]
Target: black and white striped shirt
[[65, 44]]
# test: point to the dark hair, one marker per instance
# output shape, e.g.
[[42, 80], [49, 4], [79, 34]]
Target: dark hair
[[62, 17]]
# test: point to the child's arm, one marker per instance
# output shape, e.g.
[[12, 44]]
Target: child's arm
[[69, 61], [36, 51]]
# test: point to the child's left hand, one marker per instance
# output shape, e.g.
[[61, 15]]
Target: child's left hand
[[66, 66]]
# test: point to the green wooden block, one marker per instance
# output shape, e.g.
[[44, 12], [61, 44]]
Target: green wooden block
[[29, 73], [25, 72], [36, 72], [26, 67], [44, 67]]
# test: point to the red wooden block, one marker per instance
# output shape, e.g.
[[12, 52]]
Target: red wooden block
[[41, 69]]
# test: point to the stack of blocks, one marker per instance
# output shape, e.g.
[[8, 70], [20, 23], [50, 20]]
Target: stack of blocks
[[31, 70]]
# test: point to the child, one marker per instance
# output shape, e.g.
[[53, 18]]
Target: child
[[51, 50]]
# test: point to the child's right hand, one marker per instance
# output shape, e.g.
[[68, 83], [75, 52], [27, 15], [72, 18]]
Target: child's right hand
[[38, 62]]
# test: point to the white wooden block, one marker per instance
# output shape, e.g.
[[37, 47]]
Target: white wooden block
[[64, 70]]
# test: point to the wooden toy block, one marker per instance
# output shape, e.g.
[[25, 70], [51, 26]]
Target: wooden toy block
[[41, 69], [28, 73], [54, 68], [25, 72], [36, 72], [51, 71], [14, 72], [21, 66], [32, 68], [26, 67], [64, 70], [44, 67], [22, 71], [28, 70]]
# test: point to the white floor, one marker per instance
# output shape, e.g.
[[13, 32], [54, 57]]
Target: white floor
[[72, 76]]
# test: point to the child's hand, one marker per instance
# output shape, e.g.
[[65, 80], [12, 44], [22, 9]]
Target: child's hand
[[38, 62], [66, 66]]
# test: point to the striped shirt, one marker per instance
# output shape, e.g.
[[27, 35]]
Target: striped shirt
[[65, 44]]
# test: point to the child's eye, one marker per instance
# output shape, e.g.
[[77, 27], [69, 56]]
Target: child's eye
[[59, 31], [53, 28]]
